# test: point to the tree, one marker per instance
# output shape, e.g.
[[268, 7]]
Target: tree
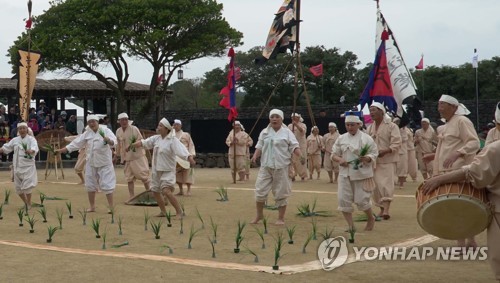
[[83, 36]]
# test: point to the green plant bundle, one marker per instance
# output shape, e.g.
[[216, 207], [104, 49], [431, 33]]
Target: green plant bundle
[[25, 148], [214, 227], [201, 218], [249, 251], [291, 232], [192, 234], [168, 215], [239, 235], [363, 151], [68, 205], [31, 221], [83, 215], [120, 245], [133, 139], [50, 148], [103, 135], [307, 210], [59, 214], [314, 229], [42, 198], [20, 213], [328, 233], [265, 221], [51, 231], [308, 239], [222, 192], [352, 231], [147, 217], [278, 245], [7, 196], [167, 247], [213, 247], [53, 198], [95, 226], [43, 213], [261, 236], [156, 228], [120, 222]]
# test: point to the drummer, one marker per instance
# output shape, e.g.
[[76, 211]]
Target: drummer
[[482, 172], [457, 143]]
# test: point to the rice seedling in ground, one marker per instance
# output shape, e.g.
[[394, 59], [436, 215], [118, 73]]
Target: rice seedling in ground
[[104, 239], [290, 232], [261, 236], [278, 245], [83, 215], [265, 221], [156, 228], [147, 217], [222, 194], [192, 234], [1, 211], [165, 247], [168, 215], [120, 245], [20, 214], [31, 221], [42, 198], [249, 251], [214, 229], [308, 239], [182, 208], [306, 210], [328, 233], [43, 213], [120, 221], [201, 218], [59, 214], [51, 230], [95, 226], [213, 247], [314, 229], [112, 211], [352, 231], [239, 236], [181, 231], [68, 205], [7, 196]]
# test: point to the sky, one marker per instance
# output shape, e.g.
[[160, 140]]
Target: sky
[[445, 31]]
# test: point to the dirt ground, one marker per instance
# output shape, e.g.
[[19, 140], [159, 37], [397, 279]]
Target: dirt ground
[[76, 254]]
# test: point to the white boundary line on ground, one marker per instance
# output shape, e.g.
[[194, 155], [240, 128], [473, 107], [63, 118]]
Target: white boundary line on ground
[[288, 269]]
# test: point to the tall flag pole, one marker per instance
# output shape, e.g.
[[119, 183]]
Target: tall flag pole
[[475, 65], [28, 69]]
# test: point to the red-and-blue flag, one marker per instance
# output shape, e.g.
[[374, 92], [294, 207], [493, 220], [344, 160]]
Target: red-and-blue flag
[[379, 86], [229, 91]]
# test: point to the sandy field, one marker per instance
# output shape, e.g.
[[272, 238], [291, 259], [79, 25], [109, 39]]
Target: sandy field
[[76, 254]]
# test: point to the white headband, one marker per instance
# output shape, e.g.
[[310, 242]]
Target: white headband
[[449, 99], [332, 124], [165, 123], [92, 117], [352, 119], [122, 116], [177, 121], [298, 115], [277, 112], [378, 105], [425, 120], [22, 124]]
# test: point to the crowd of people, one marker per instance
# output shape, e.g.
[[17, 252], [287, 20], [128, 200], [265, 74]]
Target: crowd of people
[[367, 163]]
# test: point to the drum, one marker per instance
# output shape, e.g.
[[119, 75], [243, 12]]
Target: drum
[[453, 211]]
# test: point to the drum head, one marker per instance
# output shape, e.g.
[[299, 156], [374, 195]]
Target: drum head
[[453, 217]]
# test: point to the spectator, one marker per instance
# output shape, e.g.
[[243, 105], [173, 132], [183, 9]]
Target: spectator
[[71, 125], [4, 132], [107, 123], [63, 116], [32, 114], [33, 125], [46, 124], [43, 107], [53, 117], [12, 116], [60, 124]]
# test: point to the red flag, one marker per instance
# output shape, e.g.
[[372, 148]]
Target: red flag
[[420, 65], [237, 73], [317, 70], [229, 91], [159, 79]]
